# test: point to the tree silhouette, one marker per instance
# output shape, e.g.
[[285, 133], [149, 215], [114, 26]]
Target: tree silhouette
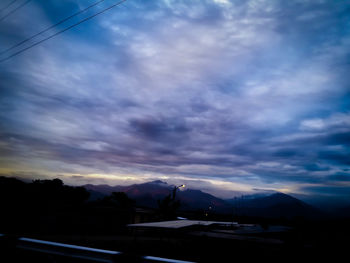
[[121, 200], [169, 205]]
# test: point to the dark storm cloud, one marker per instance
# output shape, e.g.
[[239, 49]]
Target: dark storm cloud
[[287, 153], [340, 191], [315, 167], [343, 177], [159, 129], [335, 157], [341, 138]]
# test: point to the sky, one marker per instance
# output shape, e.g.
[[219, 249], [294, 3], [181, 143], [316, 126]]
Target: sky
[[229, 97]]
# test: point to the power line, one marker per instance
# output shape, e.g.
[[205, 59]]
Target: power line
[[14, 10], [50, 27], [8, 5], [63, 30]]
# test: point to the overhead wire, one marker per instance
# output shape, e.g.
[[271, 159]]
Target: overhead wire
[[62, 31], [14, 10], [7, 6], [50, 27]]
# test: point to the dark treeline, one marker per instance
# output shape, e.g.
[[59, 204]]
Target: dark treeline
[[50, 207]]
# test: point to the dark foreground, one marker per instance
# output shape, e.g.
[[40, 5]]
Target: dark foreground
[[198, 245], [48, 210]]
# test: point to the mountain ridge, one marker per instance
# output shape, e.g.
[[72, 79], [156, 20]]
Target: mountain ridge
[[274, 205], [147, 194]]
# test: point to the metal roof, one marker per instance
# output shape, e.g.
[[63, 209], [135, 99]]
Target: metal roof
[[177, 224]]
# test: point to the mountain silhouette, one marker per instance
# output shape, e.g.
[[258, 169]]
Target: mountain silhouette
[[277, 205], [343, 212], [147, 194], [196, 199], [267, 205]]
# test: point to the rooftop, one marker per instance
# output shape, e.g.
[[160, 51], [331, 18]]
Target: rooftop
[[178, 224]]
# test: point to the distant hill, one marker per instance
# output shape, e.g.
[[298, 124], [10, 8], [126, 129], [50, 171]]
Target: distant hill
[[343, 212], [148, 194], [277, 205], [267, 205], [151, 190], [103, 189], [196, 199]]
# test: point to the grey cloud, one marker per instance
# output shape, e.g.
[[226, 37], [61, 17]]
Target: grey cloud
[[315, 167], [189, 88], [335, 157], [341, 191], [157, 128], [341, 176]]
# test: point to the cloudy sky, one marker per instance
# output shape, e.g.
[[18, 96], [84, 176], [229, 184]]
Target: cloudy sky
[[226, 96]]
